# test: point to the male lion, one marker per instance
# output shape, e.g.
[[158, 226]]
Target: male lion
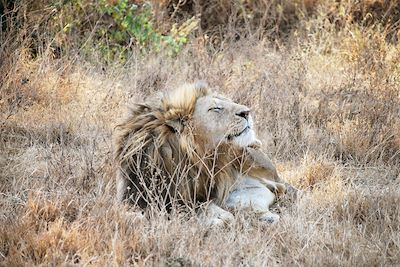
[[192, 146]]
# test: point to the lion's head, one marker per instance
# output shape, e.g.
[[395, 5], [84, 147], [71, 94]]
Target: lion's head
[[183, 146], [214, 119], [221, 120]]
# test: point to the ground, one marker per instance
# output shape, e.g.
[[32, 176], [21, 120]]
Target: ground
[[327, 112]]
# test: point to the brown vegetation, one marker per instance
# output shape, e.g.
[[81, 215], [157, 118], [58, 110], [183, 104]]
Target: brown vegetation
[[322, 77]]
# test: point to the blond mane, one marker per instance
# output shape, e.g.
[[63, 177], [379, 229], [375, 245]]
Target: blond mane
[[161, 160]]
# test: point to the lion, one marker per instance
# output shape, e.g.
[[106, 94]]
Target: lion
[[193, 147]]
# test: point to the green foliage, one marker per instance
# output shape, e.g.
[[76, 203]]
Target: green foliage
[[131, 25]]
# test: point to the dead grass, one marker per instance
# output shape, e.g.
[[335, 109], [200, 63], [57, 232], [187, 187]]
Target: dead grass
[[327, 107]]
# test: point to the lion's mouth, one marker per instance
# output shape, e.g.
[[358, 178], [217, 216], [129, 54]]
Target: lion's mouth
[[245, 130]]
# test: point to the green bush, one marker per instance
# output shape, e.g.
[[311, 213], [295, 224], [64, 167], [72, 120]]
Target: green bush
[[131, 25]]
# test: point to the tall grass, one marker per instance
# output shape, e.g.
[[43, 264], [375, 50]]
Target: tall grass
[[322, 79]]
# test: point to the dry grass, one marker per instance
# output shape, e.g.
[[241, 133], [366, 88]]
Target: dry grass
[[327, 107]]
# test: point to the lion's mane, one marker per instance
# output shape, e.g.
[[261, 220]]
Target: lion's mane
[[162, 160]]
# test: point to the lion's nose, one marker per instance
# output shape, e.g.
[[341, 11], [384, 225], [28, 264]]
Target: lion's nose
[[243, 113]]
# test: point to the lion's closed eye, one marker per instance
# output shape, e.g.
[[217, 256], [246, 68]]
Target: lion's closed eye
[[216, 109]]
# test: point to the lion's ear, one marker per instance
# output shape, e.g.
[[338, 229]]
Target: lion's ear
[[176, 125]]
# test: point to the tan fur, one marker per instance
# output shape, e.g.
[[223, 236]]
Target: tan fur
[[162, 159]]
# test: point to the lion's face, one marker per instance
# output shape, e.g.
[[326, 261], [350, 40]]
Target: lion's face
[[220, 120]]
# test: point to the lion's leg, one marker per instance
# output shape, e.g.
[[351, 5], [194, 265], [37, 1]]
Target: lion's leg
[[122, 185], [253, 194], [213, 215]]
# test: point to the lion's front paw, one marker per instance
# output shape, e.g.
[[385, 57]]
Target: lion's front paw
[[269, 217], [216, 216]]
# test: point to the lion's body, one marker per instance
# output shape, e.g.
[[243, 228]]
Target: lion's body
[[166, 154]]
